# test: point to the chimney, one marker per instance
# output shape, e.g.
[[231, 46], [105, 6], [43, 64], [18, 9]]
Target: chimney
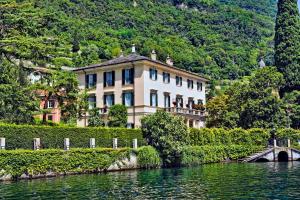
[[133, 49], [153, 55], [169, 61]]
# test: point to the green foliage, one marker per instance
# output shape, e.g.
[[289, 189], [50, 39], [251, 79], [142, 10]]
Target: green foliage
[[117, 116], [292, 101], [95, 119], [292, 134], [250, 103], [222, 38], [287, 43], [40, 162], [197, 155], [148, 157], [167, 133], [17, 100], [21, 137], [219, 136]]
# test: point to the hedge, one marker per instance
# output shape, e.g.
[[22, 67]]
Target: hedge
[[21, 136], [55, 161], [219, 136], [197, 155]]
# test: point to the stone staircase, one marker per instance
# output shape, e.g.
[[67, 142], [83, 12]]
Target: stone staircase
[[257, 155]]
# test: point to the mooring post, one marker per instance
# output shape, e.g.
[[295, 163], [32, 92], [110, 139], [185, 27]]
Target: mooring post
[[115, 143], [36, 143], [67, 144], [92, 143], [289, 143], [135, 143], [275, 143], [2, 143]]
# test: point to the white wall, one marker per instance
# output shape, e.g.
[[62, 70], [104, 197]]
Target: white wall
[[171, 88]]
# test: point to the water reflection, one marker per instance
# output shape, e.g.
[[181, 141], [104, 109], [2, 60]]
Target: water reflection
[[215, 181]]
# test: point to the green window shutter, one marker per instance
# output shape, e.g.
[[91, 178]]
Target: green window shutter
[[123, 76], [104, 79], [113, 78]]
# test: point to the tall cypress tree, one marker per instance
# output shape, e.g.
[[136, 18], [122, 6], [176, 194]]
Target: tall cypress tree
[[287, 43]]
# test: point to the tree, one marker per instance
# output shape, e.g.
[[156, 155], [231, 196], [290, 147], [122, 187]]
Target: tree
[[292, 101], [117, 116], [250, 103], [287, 43], [168, 134], [95, 119], [62, 86], [17, 100], [218, 113]]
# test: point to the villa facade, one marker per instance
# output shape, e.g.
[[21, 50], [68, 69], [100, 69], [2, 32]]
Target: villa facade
[[144, 85]]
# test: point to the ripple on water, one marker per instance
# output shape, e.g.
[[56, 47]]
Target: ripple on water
[[215, 181]]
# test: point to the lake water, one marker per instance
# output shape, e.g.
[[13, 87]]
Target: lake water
[[215, 181]]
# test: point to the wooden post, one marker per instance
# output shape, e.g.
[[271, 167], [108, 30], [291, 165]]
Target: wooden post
[[92, 143], [2, 143], [115, 143], [67, 144], [36, 143]]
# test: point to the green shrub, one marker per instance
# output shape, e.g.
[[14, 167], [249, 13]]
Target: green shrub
[[148, 157], [259, 136], [219, 136], [117, 116], [167, 133], [284, 134], [196, 155], [18, 162], [21, 137]]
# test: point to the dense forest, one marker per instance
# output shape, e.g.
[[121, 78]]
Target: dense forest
[[224, 39]]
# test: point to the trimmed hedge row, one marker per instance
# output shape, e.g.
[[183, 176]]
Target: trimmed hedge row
[[55, 161], [21, 136], [214, 136], [197, 155], [238, 136]]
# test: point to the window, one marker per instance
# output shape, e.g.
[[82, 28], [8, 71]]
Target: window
[[167, 101], [130, 125], [200, 102], [166, 77], [199, 86], [190, 103], [153, 74], [51, 104], [109, 100], [109, 78], [90, 80], [92, 102], [190, 84], [179, 102], [153, 99], [178, 81], [128, 99], [127, 76], [50, 118]]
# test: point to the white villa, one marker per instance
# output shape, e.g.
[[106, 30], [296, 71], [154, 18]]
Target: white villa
[[144, 85]]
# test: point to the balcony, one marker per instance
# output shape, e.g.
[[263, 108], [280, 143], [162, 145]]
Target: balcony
[[186, 111]]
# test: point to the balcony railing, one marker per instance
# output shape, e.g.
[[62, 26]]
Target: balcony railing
[[176, 110], [185, 111]]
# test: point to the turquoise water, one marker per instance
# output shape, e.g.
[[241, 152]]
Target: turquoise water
[[216, 181]]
